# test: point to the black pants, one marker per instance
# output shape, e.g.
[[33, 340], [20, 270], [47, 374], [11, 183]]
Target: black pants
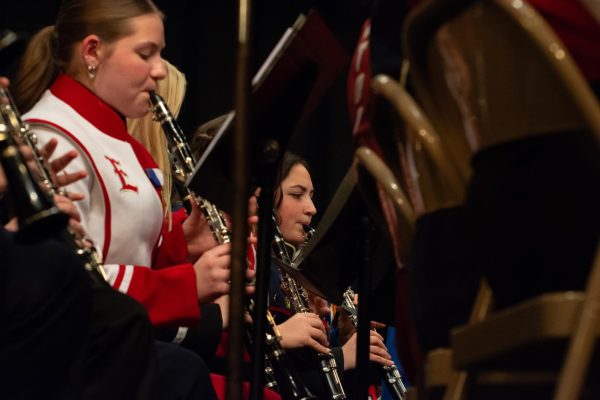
[[45, 302], [120, 360], [182, 374], [63, 336]]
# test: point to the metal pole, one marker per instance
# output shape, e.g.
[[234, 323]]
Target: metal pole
[[364, 322], [240, 209]]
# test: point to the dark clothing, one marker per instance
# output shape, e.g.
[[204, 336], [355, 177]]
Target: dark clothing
[[120, 362], [532, 214], [202, 338], [443, 277], [45, 303], [530, 225], [65, 336], [181, 374]]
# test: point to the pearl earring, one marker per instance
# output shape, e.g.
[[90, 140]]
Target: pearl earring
[[91, 71]]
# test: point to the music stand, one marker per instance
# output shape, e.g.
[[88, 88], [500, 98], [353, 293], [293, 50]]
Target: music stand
[[286, 89]]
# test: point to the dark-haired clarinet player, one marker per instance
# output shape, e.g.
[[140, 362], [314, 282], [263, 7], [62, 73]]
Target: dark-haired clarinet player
[[305, 330]]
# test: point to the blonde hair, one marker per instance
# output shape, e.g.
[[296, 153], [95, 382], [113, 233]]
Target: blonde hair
[[51, 50], [150, 133]]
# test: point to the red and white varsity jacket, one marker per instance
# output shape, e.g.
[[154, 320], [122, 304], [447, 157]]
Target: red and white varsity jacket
[[122, 211]]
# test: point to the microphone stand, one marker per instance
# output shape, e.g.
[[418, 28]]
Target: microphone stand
[[240, 207], [364, 322]]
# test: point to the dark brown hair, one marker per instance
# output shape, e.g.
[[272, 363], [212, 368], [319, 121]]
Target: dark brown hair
[[287, 163]]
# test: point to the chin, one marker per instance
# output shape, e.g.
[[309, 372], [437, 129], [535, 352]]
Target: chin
[[138, 112], [298, 240]]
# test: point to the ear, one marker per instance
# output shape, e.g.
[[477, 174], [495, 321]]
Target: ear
[[90, 53]]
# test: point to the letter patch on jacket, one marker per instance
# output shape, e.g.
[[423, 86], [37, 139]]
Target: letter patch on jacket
[[122, 175]]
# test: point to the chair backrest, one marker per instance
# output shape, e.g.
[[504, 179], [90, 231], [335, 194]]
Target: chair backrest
[[384, 181], [430, 177], [493, 71]]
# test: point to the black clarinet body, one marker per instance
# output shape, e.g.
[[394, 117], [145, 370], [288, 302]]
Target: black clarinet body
[[299, 301], [392, 377], [36, 213]]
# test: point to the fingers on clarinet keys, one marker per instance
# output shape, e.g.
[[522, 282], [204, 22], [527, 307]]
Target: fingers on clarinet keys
[[212, 273], [304, 329]]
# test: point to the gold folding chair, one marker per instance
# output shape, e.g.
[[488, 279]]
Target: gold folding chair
[[487, 72], [434, 182], [432, 179], [490, 72]]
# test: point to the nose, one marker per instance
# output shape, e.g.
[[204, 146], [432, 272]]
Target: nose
[[309, 207], [159, 70]]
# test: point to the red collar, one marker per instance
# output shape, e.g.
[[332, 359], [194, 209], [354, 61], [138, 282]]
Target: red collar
[[90, 107]]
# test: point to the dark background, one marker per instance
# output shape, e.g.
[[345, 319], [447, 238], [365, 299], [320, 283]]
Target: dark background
[[200, 38]]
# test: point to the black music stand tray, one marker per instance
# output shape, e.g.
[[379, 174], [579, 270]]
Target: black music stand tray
[[286, 90]]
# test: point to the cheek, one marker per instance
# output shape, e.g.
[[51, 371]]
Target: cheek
[[133, 81], [127, 91], [286, 221], [130, 73], [288, 213]]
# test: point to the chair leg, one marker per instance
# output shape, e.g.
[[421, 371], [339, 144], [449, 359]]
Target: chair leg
[[577, 359], [481, 309], [457, 386]]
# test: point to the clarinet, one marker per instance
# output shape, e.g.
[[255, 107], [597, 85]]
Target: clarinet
[[299, 301], [11, 120], [393, 380], [279, 373], [37, 214]]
